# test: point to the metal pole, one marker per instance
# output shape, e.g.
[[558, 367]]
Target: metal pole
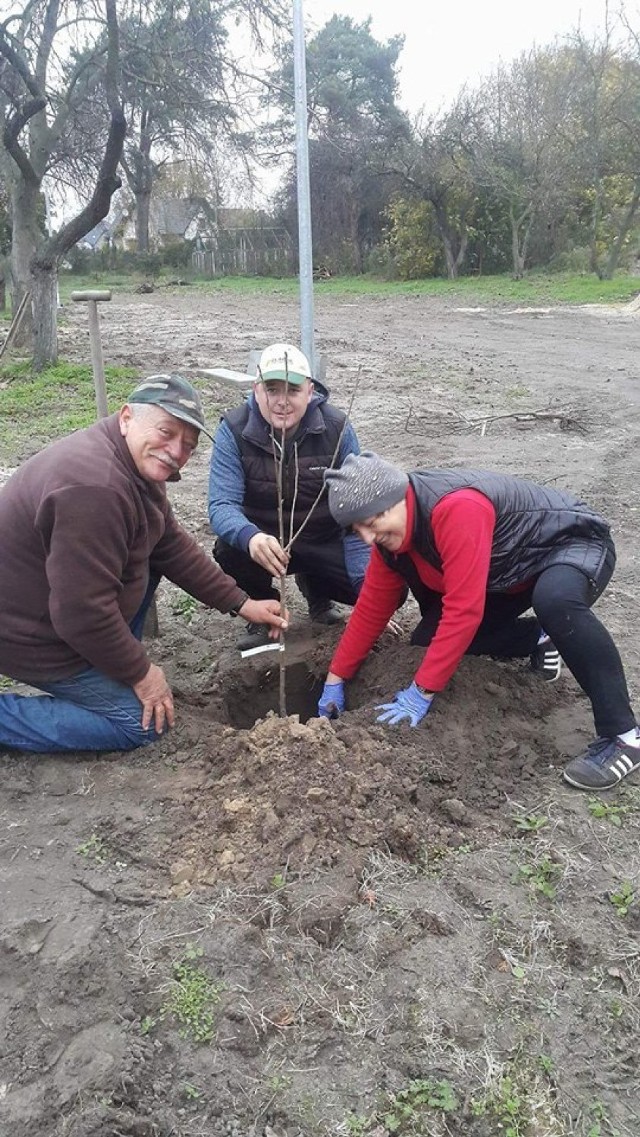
[[304, 198]]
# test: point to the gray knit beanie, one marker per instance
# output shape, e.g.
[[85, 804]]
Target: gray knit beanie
[[363, 486]]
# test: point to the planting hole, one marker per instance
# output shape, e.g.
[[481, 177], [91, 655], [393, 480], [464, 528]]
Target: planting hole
[[246, 706]]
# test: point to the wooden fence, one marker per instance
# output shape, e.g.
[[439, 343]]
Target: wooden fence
[[263, 251]]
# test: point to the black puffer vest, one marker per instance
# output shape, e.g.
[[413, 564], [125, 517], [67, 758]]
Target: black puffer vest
[[315, 442], [535, 526]]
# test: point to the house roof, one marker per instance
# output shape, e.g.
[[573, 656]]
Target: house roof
[[173, 216], [99, 233]]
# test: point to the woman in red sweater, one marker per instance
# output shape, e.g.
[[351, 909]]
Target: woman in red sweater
[[477, 549]]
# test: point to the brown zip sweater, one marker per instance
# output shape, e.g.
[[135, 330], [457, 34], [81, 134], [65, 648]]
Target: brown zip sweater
[[80, 530]]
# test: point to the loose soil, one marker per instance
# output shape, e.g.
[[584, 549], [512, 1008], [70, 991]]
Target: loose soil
[[291, 927]]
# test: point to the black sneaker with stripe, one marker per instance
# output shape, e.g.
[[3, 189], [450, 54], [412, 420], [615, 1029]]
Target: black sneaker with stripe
[[546, 661], [604, 763]]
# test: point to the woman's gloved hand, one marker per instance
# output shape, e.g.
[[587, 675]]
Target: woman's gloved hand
[[331, 701], [412, 704]]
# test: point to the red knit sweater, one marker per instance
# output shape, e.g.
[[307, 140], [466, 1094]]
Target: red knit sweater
[[463, 524]]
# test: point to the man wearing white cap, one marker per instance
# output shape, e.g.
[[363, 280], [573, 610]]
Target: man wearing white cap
[[286, 408]]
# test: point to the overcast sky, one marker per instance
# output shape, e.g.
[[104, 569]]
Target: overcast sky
[[457, 41]]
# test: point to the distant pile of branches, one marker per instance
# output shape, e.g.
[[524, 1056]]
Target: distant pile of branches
[[452, 421]]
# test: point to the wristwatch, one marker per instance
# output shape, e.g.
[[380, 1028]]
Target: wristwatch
[[235, 611]]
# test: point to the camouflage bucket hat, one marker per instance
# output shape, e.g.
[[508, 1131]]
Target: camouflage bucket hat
[[175, 395]]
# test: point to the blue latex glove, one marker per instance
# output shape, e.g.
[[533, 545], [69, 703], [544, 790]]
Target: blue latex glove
[[331, 701], [408, 704]]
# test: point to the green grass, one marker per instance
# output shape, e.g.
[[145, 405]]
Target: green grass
[[623, 898], [54, 402], [72, 282], [407, 1110], [531, 822], [93, 849], [537, 287], [184, 605], [122, 282], [193, 998], [541, 875], [607, 811]]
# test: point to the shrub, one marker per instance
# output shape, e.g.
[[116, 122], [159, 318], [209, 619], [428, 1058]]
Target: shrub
[[411, 239]]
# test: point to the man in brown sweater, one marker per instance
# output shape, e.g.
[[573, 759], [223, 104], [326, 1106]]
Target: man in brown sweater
[[86, 532]]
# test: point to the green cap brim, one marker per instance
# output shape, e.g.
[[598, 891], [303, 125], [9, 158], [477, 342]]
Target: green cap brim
[[294, 378]]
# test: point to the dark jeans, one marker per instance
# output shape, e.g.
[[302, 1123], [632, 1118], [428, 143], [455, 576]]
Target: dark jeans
[[320, 570], [561, 598]]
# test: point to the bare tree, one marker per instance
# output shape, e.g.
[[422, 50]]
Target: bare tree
[[182, 89], [515, 142], [434, 167], [46, 76], [606, 139], [354, 123]]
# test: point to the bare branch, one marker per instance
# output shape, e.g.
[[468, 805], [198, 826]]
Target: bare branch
[[295, 490], [278, 462], [108, 181], [49, 29], [15, 124], [332, 463], [20, 67]]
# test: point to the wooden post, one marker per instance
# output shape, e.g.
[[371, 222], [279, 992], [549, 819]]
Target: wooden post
[[92, 297]]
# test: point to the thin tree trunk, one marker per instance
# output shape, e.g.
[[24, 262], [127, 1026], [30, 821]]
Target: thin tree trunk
[[34, 258], [452, 271], [454, 260], [462, 251], [44, 281], [44, 263], [524, 248], [140, 177], [596, 212], [516, 259], [24, 205], [358, 258], [520, 246], [445, 237], [143, 205], [618, 244], [449, 239]]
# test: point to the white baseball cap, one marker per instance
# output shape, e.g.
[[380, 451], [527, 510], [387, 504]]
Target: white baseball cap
[[285, 362]]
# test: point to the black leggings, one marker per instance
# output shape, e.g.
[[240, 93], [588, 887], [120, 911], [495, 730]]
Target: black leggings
[[561, 598]]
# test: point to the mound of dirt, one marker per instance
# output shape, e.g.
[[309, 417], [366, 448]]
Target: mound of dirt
[[285, 795]]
